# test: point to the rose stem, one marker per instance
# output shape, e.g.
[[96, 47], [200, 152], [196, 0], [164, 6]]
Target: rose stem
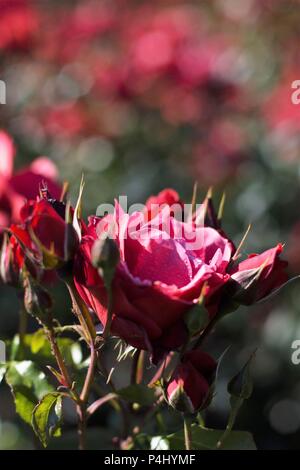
[[68, 382], [49, 330], [82, 405], [83, 314], [23, 320], [90, 375], [116, 404]]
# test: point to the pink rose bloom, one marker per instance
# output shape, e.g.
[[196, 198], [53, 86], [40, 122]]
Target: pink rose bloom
[[164, 265]]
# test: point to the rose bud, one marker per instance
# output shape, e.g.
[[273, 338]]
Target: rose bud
[[259, 275], [37, 300], [45, 235], [241, 385], [190, 387], [105, 257]]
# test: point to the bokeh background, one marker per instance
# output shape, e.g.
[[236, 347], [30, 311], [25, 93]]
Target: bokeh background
[[142, 95]]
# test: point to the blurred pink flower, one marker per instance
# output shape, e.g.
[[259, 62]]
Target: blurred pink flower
[[18, 23]]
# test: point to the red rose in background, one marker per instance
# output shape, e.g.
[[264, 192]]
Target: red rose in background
[[160, 275], [189, 388], [24, 184], [18, 23], [167, 197], [257, 276]]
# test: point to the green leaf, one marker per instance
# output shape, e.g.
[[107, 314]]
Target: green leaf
[[47, 417], [207, 439], [36, 348], [37, 341], [28, 384], [140, 394]]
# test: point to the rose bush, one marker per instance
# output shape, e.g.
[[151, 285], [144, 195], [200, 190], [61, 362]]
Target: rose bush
[[147, 276]]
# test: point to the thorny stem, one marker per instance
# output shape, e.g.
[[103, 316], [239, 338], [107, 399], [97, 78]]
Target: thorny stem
[[100, 402], [67, 382], [90, 376], [80, 400], [23, 319], [81, 413], [83, 399], [49, 330]]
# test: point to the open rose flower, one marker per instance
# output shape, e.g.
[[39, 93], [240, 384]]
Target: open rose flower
[[24, 184], [163, 267], [259, 275], [189, 388]]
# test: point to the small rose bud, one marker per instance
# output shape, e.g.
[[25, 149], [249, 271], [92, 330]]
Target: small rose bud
[[71, 242], [37, 300], [189, 389], [241, 385], [45, 234], [106, 257]]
